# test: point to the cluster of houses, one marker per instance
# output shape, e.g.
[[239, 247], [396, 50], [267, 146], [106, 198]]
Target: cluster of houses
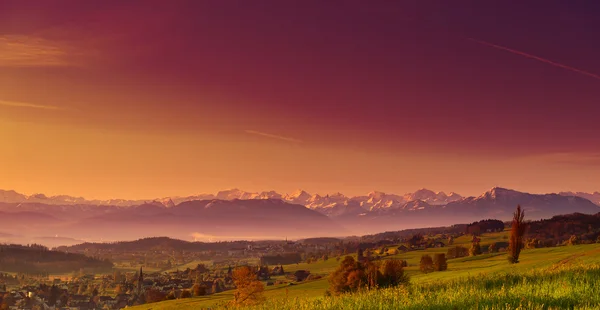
[[118, 290]]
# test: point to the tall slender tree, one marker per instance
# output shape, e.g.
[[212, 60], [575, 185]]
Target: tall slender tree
[[516, 235]]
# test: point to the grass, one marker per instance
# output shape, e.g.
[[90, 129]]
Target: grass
[[565, 287], [568, 265]]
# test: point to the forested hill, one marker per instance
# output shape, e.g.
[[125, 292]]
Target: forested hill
[[39, 259], [159, 243]]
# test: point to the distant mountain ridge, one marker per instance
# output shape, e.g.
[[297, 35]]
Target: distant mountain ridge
[[238, 214], [373, 200], [593, 197]]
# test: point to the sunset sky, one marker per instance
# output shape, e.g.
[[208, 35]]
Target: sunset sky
[[144, 99]]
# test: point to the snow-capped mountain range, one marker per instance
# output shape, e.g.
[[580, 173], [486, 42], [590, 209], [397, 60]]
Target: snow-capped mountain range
[[300, 214], [332, 205], [372, 201]]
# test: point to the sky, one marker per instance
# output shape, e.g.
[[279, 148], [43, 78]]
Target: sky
[[143, 99]]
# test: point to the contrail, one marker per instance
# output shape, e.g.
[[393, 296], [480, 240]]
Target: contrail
[[550, 62], [268, 135], [28, 105]]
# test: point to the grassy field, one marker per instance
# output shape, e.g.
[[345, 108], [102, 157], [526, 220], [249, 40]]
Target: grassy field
[[563, 287], [470, 275]]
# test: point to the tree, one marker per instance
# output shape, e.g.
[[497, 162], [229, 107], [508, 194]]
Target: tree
[[154, 295], [360, 255], [392, 273], [201, 268], [7, 302], [574, 240], [457, 251], [450, 240], [415, 240], [532, 243], [439, 262], [475, 249], [120, 289], [199, 289], [426, 264], [186, 294], [249, 289], [218, 286], [117, 276], [493, 248], [170, 295], [82, 289], [339, 279], [517, 232], [54, 294]]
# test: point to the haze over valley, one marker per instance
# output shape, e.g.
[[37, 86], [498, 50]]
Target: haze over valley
[[236, 214]]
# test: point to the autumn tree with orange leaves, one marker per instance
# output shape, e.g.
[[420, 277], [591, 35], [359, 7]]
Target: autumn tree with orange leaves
[[249, 291]]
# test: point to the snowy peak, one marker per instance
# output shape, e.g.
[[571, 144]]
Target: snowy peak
[[593, 197], [167, 202], [230, 194], [501, 193], [299, 196], [431, 197], [416, 205], [375, 195], [11, 196], [269, 195]]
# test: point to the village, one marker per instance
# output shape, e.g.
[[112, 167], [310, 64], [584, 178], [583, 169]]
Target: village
[[159, 275]]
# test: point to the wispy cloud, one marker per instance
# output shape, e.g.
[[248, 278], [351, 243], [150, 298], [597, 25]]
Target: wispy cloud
[[28, 105], [25, 51], [272, 136], [544, 60]]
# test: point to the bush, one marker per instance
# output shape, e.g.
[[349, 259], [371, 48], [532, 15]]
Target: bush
[[426, 264]]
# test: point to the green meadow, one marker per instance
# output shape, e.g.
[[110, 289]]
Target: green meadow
[[566, 277]]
